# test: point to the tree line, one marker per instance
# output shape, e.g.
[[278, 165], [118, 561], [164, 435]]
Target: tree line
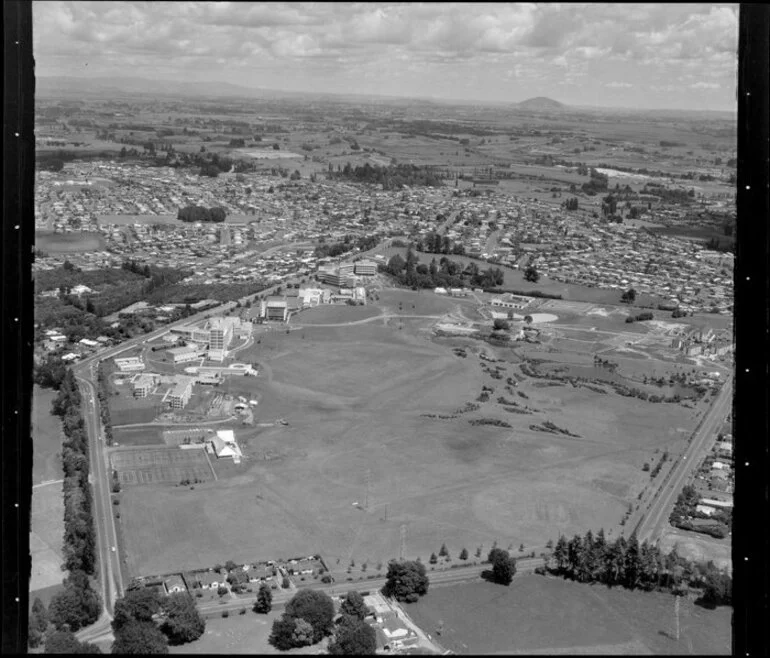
[[635, 565], [103, 394], [201, 214], [77, 605], [348, 243], [391, 177]]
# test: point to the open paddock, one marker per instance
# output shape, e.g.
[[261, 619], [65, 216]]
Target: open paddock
[[144, 411], [47, 437], [483, 618], [166, 465], [45, 538]]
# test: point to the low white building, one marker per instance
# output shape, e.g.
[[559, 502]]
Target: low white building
[[130, 364], [225, 445]]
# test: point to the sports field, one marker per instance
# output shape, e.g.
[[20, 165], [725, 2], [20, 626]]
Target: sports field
[[355, 399], [170, 465], [554, 616]]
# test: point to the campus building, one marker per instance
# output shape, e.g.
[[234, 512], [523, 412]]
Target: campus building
[[178, 396], [365, 268], [130, 364], [143, 384], [313, 297], [510, 301], [275, 308], [183, 354], [339, 276]]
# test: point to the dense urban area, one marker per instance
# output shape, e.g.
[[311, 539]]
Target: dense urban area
[[300, 361]]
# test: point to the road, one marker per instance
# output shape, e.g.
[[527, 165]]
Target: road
[[443, 577], [655, 521]]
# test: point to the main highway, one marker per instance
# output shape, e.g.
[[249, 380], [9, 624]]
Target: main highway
[[654, 521]]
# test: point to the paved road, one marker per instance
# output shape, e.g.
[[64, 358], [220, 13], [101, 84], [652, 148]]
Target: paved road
[[655, 521]]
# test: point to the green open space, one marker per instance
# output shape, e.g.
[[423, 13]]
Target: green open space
[[47, 437], [555, 616], [69, 243], [46, 536], [357, 459], [334, 314]]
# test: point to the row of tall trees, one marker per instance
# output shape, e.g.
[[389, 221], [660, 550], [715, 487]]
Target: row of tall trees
[[103, 394], [636, 565], [201, 214], [391, 177]]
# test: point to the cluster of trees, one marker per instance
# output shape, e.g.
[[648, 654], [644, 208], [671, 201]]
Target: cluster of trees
[[308, 618], [145, 622], [353, 636], [49, 372], [635, 565], [437, 244], [446, 273], [597, 183], [406, 581], [56, 641], [391, 177], [201, 214], [668, 195], [571, 204], [639, 317], [103, 393], [531, 274], [349, 243], [629, 296]]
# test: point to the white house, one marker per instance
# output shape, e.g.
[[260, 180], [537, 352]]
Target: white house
[[225, 445]]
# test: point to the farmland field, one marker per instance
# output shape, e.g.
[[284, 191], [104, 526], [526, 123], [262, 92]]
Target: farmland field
[[553, 616], [47, 514], [45, 538], [354, 399], [47, 437]]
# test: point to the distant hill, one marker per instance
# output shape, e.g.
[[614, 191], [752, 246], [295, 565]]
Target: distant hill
[[541, 104]]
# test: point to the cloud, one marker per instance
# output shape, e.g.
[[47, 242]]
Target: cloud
[[705, 85], [618, 85], [557, 43]]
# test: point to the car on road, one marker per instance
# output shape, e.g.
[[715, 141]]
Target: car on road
[[113, 549]]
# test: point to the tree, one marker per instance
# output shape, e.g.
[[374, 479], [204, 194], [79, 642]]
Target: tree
[[560, 553], [354, 639], [136, 605], [433, 558], [531, 274], [77, 605], [140, 637], [264, 602], [719, 588], [302, 635], [501, 325], [39, 616], [315, 607], [503, 566], [464, 554], [628, 297], [282, 633], [65, 642], [183, 623], [354, 605], [406, 581]]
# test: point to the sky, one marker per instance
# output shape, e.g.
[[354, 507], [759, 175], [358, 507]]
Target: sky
[[646, 56]]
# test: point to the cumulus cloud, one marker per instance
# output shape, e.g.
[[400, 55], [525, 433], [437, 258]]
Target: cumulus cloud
[[558, 42]]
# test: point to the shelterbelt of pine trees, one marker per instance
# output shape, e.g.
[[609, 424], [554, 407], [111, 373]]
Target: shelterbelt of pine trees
[[77, 605], [103, 393], [637, 565]]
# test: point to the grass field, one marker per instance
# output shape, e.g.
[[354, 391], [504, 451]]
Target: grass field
[[69, 243], [332, 314], [553, 616], [164, 465], [138, 436], [47, 437], [354, 398], [45, 539]]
